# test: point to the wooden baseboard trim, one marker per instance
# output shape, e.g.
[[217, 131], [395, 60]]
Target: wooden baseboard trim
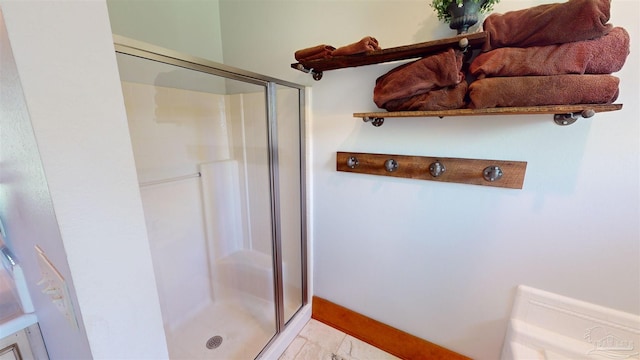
[[382, 336]]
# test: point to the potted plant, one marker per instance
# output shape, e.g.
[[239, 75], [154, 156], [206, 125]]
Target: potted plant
[[461, 14]]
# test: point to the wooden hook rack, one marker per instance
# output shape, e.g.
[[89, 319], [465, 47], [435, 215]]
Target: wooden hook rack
[[498, 173]]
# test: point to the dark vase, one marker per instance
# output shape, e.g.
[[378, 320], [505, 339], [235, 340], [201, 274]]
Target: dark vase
[[464, 15]]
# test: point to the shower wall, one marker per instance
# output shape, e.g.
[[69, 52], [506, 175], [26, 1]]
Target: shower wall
[[175, 129], [167, 127], [246, 140], [200, 228], [173, 132]]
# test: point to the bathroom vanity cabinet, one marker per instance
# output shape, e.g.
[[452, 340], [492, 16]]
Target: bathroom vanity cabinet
[[23, 344], [15, 347]]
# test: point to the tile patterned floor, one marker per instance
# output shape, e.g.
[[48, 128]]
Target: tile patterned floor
[[318, 341]]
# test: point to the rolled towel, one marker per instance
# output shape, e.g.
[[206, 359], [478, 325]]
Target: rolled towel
[[418, 77], [367, 43], [438, 99], [604, 55], [543, 90], [574, 20], [314, 52]]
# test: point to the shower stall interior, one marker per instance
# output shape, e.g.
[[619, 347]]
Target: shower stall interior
[[219, 154]]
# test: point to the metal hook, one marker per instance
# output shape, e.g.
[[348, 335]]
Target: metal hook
[[492, 173], [391, 165], [436, 169], [352, 162]]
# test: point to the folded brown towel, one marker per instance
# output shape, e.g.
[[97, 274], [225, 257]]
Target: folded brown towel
[[549, 24], [367, 43], [604, 55], [437, 99], [543, 90], [418, 77], [313, 53]]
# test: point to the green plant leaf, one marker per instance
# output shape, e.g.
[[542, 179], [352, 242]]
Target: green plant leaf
[[440, 7]]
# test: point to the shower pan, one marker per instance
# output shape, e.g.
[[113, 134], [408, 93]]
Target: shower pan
[[219, 154]]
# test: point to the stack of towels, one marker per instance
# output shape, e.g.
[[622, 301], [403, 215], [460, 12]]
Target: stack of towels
[[434, 82], [323, 51], [554, 54]]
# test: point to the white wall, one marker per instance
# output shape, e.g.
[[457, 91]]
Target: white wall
[[190, 26], [25, 201], [66, 64], [441, 260]]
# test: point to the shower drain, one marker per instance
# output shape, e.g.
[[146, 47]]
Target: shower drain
[[214, 342]]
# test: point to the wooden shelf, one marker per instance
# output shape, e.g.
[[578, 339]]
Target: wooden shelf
[[563, 114], [391, 54]]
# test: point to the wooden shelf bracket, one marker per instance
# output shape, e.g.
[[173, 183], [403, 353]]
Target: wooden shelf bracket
[[317, 75], [375, 121]]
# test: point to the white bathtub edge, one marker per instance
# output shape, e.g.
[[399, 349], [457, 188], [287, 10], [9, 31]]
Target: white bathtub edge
[[553, 326]]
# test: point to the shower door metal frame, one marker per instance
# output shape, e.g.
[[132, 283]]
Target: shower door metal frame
[[143, 50]]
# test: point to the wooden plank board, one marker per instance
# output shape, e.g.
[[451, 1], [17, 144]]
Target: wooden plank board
[[392, 54], [380, 335], [548, 109], [458, 170]]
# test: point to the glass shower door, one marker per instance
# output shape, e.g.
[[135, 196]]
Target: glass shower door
[[290, 134], [201, 146]]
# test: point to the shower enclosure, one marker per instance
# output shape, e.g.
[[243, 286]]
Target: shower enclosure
[[219, 154]]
